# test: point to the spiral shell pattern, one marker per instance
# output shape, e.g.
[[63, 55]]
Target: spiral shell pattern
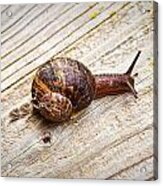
[[62, 86]]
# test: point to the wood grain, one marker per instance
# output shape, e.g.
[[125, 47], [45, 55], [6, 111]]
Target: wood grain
[[113, 137]]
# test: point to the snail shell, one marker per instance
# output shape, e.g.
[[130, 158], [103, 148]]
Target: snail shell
[[62, 86]]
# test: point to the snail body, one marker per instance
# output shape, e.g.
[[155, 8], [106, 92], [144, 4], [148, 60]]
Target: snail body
[[64, 86]]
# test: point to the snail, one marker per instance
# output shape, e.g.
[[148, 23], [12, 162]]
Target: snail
[[63, 86]]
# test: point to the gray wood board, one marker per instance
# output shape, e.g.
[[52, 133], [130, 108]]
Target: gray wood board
[[111, 139]]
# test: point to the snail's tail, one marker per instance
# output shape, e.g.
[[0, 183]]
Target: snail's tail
[[130, 69]]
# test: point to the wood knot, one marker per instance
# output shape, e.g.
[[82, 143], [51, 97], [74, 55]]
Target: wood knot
[[46, 137]]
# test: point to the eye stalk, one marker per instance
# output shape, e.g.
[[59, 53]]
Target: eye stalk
[[130, 69]]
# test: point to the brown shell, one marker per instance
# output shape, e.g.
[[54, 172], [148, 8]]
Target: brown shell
[[67, 77]]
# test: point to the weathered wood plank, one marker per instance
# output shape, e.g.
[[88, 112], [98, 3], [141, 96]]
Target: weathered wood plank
[[48, 30], [142, 170], [45, 19], [116, 145], [8, 12], [23, 23], [23, 10], [4, 8], [95, 165]]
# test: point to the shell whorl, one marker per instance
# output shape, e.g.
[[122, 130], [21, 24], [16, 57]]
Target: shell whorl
[[65, 77]]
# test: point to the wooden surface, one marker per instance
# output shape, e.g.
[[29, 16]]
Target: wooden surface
[[114, 137]]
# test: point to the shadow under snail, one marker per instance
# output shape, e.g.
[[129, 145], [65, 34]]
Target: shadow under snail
[[64, 86]]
